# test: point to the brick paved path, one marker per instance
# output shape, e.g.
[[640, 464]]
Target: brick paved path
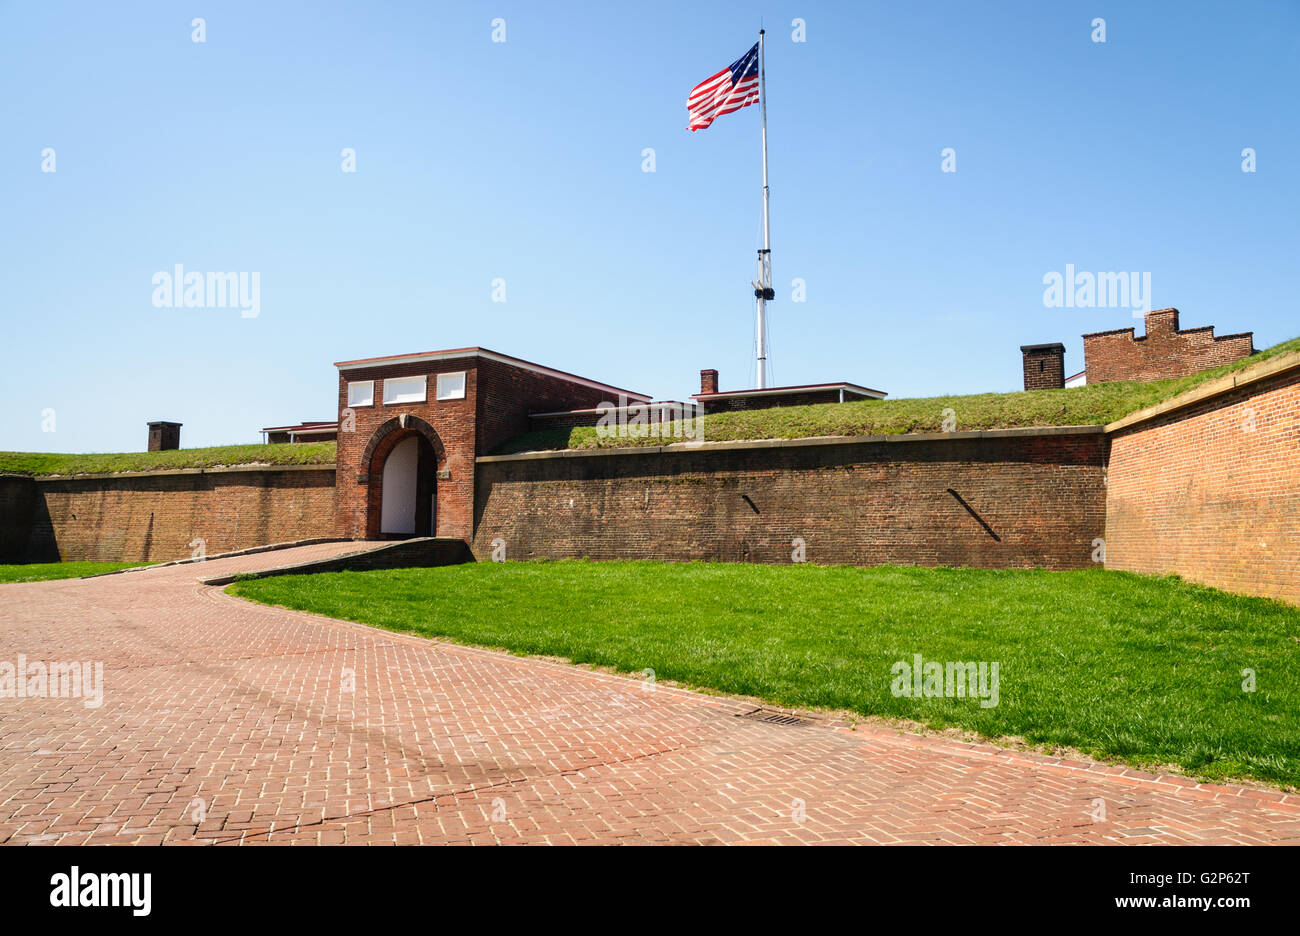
[[226, 722]]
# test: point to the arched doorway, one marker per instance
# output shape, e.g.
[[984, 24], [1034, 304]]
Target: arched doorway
[[402, 458], [399, 497]]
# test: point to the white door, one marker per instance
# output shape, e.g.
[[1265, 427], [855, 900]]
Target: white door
[[397, 507]]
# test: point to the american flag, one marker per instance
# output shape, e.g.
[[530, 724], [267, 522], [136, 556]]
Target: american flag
[[734, 87]]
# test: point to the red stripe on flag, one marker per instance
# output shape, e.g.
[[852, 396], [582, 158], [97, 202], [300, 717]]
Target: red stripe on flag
[[728, 101], [716, 95]]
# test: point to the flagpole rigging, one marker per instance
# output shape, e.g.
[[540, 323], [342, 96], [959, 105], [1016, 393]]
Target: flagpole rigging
[[763, 289]]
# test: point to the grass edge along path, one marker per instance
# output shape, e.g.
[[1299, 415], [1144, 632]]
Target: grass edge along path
[[1146, 671], [48, 571]]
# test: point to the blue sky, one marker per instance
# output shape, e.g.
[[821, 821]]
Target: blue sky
[[522, 161]]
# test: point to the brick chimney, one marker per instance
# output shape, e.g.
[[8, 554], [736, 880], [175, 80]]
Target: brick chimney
[[708, 381], [1162, 322], [164, 436], [1044, 366]]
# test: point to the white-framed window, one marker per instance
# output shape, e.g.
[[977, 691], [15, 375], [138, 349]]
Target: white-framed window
[[451, 386], [361, 393], [405, 390]]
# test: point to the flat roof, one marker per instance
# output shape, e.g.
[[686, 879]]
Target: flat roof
[[769, 391], [305, 427], [454, 353]]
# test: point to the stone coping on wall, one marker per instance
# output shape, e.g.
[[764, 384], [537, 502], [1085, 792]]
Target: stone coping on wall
[[419, 552], [172, 472], [753, 444], [233, 554], [1212, 388]]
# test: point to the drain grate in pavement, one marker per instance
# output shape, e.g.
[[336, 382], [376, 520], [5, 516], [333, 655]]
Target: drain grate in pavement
[[774, 717]]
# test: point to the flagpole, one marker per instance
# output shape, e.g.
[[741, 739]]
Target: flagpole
[[764, 291]]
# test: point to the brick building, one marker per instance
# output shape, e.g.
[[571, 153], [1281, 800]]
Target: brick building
[[1164, 351], [712, 400], [411, 425], [318, 431]]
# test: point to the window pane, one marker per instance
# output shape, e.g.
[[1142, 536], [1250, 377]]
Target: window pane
[[404, 390], [451, 386], [361, 393]]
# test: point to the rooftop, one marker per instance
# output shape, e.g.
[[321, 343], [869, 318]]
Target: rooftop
[[454, 353], [799, 388], [306, 427]]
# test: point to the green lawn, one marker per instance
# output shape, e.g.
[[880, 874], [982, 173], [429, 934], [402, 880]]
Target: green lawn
[[1096, 404], [1142, 670], [42, 571], [51, 463]]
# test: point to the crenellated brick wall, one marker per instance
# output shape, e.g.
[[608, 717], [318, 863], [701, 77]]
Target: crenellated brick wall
[[1164, 351], [1010, 498], [1208, 487]]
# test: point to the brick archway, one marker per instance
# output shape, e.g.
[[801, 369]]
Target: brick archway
[[432, 457]]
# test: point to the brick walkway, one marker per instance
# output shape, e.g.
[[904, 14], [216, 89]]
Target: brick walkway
[[225, 722]]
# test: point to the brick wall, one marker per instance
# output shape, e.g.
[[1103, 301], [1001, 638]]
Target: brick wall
[[995, 499], [510, 393], [1164, 351], [1211, 492], [1044, 366], [156, 516], [21, 509], [663, 411], [564, 420]]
